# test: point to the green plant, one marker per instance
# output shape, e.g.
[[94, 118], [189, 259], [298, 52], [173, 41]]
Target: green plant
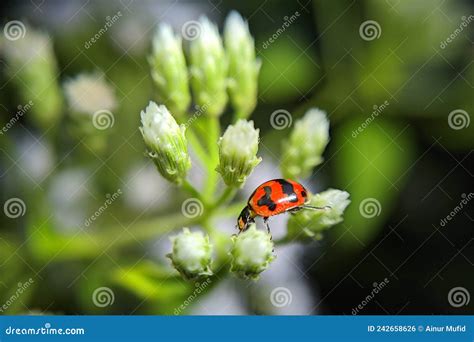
[[216, 74]]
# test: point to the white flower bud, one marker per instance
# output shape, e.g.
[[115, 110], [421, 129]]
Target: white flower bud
[[191, 254], [243, 65], [305, 146], [208, 69], [166, 142], [33, 69], [238, 152], [252, 253], [314, 222], [89, 93], [168, 70]]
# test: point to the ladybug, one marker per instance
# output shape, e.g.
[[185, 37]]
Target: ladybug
[[274, 197]]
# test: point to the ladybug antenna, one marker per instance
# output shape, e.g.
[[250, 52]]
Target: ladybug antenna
[[306, 206]]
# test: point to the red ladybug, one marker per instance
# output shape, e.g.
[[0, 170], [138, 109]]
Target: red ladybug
[[274, 197]]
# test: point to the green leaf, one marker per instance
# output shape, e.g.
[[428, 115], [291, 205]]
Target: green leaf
[[371, 167]]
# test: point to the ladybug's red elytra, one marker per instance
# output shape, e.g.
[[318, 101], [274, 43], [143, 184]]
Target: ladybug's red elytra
[[274, 197]]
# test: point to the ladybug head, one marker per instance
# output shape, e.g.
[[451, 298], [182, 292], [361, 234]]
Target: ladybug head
[[245, 218]]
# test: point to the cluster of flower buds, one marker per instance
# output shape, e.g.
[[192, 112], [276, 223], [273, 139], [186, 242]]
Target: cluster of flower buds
[[305, 146], [311, 223], [251, 254], [216, 73]]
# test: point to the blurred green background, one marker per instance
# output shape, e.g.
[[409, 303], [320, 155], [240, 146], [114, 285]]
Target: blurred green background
[[409, 158]]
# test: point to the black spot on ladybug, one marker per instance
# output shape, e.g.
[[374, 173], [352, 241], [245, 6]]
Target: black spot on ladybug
[[304, 194], [266, 199], [288, 189]]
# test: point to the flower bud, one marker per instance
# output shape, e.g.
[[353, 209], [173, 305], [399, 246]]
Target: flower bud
[[305, 146], [87, 94], [313, 222], [252, 253], [33, 69], [208, 69], [243, 66], [238, 152], [166, 142], [191, 254], [168, 70]]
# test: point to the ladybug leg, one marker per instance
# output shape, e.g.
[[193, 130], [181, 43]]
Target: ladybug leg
[[306, 206], [265, 221], [295, 210]]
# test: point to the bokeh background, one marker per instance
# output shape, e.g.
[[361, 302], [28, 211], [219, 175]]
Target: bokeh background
[[413, 161]]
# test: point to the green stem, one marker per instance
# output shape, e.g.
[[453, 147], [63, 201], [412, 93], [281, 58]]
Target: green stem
[[225, 197], [197, 147], [213, 134], [190, 189], [51, 246]]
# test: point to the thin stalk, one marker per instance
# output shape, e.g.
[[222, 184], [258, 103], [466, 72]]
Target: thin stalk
[[197, 147], [213, 134], [190, 189], [225, 197]]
